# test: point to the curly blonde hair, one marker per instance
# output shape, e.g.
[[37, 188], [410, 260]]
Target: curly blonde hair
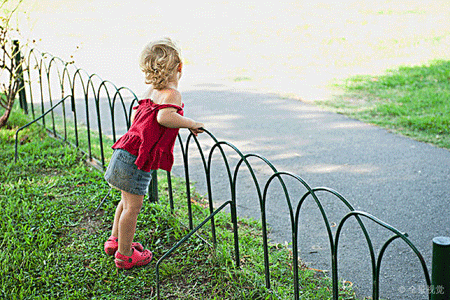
[[159, 61]]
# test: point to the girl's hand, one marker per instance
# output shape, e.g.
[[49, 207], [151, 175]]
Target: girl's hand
[[197, 128]]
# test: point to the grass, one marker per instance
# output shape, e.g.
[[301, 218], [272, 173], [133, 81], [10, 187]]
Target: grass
[[411, 100], [51, 242]]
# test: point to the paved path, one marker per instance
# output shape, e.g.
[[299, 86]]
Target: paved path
[[401, 181]]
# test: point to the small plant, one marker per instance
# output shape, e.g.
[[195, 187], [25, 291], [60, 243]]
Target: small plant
[[11, 73]]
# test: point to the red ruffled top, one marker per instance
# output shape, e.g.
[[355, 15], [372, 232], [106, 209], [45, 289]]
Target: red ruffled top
[[151, 142]]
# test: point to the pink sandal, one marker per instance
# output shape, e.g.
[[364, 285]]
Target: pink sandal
[[112, 245], [138, 258]]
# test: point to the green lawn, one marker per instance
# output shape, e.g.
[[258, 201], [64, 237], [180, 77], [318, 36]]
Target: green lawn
[[411, 100], [51, 242]]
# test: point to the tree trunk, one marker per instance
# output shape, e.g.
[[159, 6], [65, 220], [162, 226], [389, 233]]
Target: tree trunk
[[4, 118], [9, 106]]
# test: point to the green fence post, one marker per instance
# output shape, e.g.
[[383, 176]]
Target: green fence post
[[440, 273], [153, 187], [18, 63]]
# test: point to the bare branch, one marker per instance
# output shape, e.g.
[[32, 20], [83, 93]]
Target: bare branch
[[3, 101]]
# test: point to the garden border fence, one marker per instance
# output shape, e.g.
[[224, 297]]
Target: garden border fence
[[48, 78]]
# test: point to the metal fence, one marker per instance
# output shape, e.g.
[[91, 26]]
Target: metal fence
[[89, 113]]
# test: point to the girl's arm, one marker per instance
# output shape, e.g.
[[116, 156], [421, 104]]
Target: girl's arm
[[169, 117]]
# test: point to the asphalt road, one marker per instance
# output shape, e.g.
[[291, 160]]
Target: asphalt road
[[403, 182]]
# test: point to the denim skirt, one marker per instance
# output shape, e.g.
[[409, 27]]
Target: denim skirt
[[124, 175]]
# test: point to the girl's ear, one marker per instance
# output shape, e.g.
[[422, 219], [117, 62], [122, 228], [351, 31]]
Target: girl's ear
[[180, 67]]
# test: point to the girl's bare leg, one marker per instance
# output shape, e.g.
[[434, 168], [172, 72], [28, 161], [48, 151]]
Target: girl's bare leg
[[115, 228], [126, 225]]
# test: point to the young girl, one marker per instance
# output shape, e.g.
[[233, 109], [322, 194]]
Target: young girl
[[148, 145]]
